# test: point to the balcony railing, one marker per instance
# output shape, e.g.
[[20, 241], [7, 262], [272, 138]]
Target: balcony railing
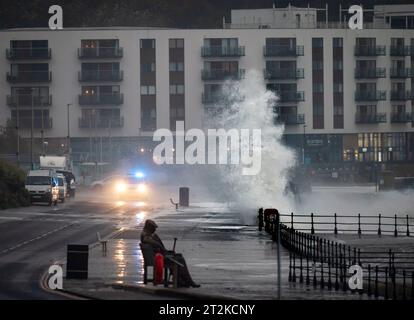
[[283, 73], [369, 73], [400, 73], [220, 74], [370, 117], [282, 51], [220, 51], [207, 98], [400, 51], [368, 51], [370, 95], [27, 100], [291, 119], [102, 99], [401, 117], [101, 122], [28, 53], [401, 95], [38, 123], [100, 52], [290, 96], [29, 76], [100, 75]]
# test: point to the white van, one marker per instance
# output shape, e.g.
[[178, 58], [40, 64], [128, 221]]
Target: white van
[[43, 186]]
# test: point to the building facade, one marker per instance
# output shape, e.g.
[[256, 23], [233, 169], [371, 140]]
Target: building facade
[[346, 95]]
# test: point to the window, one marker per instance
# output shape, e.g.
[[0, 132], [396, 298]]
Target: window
[[317, 65], [176, 66], [177, 89], [338, 65], [338, 87], [176, 43], [147, 90], [147, 43], [337, 42], [318, 87], [147, 67], [317, 42]]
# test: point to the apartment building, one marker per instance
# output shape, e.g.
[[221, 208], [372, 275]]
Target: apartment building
[[346, 96]]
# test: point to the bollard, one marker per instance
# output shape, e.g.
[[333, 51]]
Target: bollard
[[184, 194], [291, 221], [359, 225], [260, 218], [335, 224], [408, 227], [379, 224]]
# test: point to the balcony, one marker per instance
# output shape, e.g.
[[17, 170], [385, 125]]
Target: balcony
[[219, 51], [290, 119], [26, 100], [220, 74], [378, 95], [94, 76], [282, 51], [400, 95], [38, 123], [369, 73], [290, 96], [400, 51], [102, 99], [210, 98], [100, 53], [400, 73], [104, 122], [28, 53], [401, 117], [370, 117], [369, 51], [283, 74], [29, 76]]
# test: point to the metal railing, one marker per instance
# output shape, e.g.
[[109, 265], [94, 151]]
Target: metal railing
[[400, 51], [101, 122], [29, 76], [38, 122], [400, 73], [400, 95], [222, 74], [369, 51], [370, 73], [27, 100], [370, 117], [401, 117], [101, 52], [222, 51], [316, 260], [100, 75], [102, 99], [28, 53], [282, 51], [283, 73], [290, 96], [370, 95], [291, 119]]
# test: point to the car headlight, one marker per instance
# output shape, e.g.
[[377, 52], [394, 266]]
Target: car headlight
[[142, 187], [120, 187]]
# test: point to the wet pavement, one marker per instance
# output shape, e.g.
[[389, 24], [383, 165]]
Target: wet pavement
[[226, 255]]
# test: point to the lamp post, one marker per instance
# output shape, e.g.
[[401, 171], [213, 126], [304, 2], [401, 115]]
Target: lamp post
[[303, 143], [68, 136]]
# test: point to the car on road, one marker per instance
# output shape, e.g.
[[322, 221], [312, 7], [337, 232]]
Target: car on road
[[128, 186], [63, 188], [42, 186]]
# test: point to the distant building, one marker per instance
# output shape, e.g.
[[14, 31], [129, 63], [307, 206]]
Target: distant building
[[346, 96]]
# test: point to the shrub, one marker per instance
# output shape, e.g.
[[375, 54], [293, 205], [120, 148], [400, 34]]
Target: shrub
[[12, 190]]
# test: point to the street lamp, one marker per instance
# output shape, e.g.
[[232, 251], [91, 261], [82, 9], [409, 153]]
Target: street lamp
[[68, 137]]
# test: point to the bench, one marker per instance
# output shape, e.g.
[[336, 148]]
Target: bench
[[169, 262]]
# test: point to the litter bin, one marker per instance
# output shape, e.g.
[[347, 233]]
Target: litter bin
[[184, 197], [77, 261]]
